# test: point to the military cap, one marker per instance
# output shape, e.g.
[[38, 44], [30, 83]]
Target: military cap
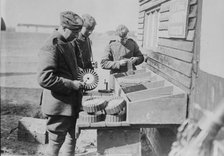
[[88, 21], [122, 31], [70, 20]]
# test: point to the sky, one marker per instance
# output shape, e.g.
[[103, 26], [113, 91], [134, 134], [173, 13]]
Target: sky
[[108, 13]]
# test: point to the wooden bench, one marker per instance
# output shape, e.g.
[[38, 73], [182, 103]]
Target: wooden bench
[[154, 105]]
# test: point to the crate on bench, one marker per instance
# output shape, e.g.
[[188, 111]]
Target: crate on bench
[[32, 130]]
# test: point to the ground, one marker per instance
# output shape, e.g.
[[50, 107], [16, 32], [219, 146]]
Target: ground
[[11, 113], [20, 91]]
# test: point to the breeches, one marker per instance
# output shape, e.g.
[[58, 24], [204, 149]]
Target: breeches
[[61, 132]]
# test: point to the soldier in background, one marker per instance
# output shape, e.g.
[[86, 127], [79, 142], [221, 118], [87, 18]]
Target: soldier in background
[[62, 93], [84, 43], [121, 52]]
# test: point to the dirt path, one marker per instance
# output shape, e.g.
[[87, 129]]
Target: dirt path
[[11, 113]]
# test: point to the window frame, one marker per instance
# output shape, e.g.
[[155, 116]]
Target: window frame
[[151, 29]]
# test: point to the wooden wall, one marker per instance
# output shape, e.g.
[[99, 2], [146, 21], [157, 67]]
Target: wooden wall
[[177, 60], [173, 59]]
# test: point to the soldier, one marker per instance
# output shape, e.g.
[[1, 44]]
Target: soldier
[[84, 43], [57, 74], [121, 52]]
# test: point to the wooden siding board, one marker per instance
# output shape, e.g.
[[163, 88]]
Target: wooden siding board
[[140, 37], [164, 16], [190, 35], [143, 2], [141, 20], [180, 66], [186, 81], [165, 7], [163, 34], [140, 31], [140, 26], [163, 25], [193, 11], [141, 15], [177, 44], [192, 23], [179, 54], [169, 78], [149, 5]]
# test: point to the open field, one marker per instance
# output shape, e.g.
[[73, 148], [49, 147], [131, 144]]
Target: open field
[[20, 91]]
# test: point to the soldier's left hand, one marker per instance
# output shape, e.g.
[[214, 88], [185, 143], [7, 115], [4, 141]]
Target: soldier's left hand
[[133, 59]]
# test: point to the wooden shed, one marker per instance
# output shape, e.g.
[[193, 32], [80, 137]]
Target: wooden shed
[[183, 43]]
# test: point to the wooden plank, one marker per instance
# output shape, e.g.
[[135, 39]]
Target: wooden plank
[[177, 44], [126, 82], [163, 25], [179, 54], [143, 2], [149, 5], [192, 23], [98, 124], [180, 66], [165, 7], [190, 35], [178, 18], [163, 34], [141, 14], [137, 75], [140, 20], [140, 31], [192, 2], [164, 16], [140, 26], [113, 124], [193, 11], [150, 93], [169, 78], [186, 81], [163, 110], [155, 84], [140, 37], [81, 124]]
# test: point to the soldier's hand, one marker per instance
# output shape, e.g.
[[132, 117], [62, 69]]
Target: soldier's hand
[[133, 59], [94, 64], [80, 69], [123, 62], [76, 85]]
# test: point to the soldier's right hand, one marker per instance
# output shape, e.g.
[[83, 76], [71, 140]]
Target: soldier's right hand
[[76, 85], [123, 62]]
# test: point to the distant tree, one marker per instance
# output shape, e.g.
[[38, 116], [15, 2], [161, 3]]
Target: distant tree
[[3, 26]]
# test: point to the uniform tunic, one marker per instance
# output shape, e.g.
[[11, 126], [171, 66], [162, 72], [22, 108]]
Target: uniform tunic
[[57, 69], [116, 51], [84, 44]]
